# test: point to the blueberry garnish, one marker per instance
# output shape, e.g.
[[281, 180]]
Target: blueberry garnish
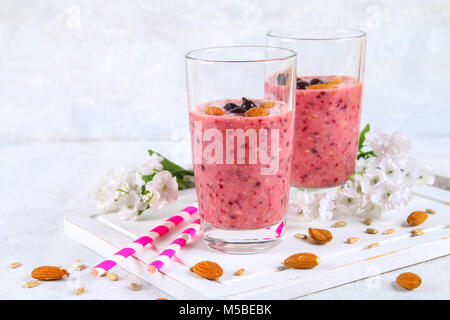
[[315, 81], [230, 106], [247, 104], [238, 110], [281, 79], [301, 85]]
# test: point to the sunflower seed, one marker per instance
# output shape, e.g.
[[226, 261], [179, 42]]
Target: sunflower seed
[[15, 265], [239, 272], [79, 291], [339, 224], [352, 240], [432, 211], [33, 283], [368, 221], [112, 276], [134, 286], [389, 231], [300, 236], [372, 230], [372, 245]]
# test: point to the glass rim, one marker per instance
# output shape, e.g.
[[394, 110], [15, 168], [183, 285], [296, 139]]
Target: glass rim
[[357, 34], [189, 55]]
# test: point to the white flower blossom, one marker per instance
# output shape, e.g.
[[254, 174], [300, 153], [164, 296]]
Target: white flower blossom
[[312, 206], [164, 188], [118, 191], [152, 165], [348, 200]]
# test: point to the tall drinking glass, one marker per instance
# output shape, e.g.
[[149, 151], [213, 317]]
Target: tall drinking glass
[[241, 143], [328, 102]]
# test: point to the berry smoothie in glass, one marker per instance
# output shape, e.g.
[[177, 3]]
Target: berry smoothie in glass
[[328, 102], [241, 144]]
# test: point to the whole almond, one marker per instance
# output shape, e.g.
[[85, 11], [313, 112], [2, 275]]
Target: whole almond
[[352, 240], [46, 273], [208, 270], [15, 265], [409, 280], [321, 86], [256, 112], [417, 217], [320, 235], [336, 80], [214, 111], [32, 284], [389, 231], [112, 276], [267, 104], [302, 261], [368, 221], [339, 224]]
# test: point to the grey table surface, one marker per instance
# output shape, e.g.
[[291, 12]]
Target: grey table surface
[[40, 182]]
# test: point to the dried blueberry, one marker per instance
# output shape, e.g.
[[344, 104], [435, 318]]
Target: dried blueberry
[[247, 104], [315, 81], [238, 110], [301, 85], [281, 79], [230, 106]]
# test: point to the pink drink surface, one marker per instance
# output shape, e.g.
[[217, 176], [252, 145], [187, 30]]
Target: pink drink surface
[[237, 195], [326, 133]]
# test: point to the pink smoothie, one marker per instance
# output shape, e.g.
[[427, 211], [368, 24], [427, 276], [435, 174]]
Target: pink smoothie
[[237, 195], [326, 132]]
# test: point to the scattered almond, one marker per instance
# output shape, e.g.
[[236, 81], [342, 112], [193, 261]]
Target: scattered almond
[[431, 211], [300, 236], [256, 112], [267, 105], [321, 86], [373, 245], [320, 235], [49, 273], [214, 111], [339, 224], [112, 276], [239, 272], [352, 240], [208, 269], [15, 265], [389, 231], [417, 217], [409, 280], [336, 80], [79, 291], [372, 230], [302, 261], [80, 267], [134, 286], [368, 221], [33, 283]]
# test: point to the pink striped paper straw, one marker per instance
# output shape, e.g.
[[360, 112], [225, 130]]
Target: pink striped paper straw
[[137, 245], [174, 247]]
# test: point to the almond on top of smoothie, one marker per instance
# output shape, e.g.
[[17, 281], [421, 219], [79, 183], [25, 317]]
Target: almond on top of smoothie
[[326, 133], [235, 194]]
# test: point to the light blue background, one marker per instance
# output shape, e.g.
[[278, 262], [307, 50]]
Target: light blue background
[[109, 70]]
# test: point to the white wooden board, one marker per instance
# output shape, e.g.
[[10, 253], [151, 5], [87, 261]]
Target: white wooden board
[[264, 279]]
